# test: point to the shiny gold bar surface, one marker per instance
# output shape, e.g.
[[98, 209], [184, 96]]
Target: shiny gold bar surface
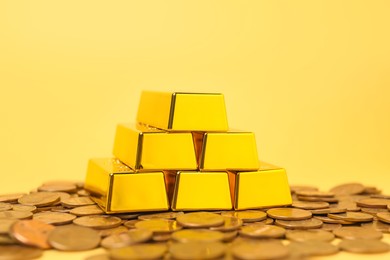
[[201, 191], [267, 187], [116, 188], [179, 111], [149, 149], [233, 150]]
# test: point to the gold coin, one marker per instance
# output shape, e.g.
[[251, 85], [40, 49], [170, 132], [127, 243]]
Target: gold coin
[[289, 213], [7, 240], [378, 225], [373, 211], [370, 190], [163, 215], [60, 209], [310, 204], [318, 199], [200, 219], [20, 207], [11, 197], [77, 202], [40, 199], [373, 203], [54, 218], [197, 250], [16, 252], [58, 187], [131, 223], [229, 235], [86, 210], [312, 248], [330, 227], [295, 188], [328, 211], [130, 237], [262, 231], [158, 225], [333, 221], [197, 235], [267, 221], [5, 206], [348, 189], [161, 237], [384, 216], [15, 214], [353, 233], [5, 225], [299, 224], [364, 246], [257, 250], [247, 215], [32, 233], [73, 238], [352, 216], [98, 221], [312, 193], [230, 224], [112, 231], [349, 205], [139, 251], [309, 235]]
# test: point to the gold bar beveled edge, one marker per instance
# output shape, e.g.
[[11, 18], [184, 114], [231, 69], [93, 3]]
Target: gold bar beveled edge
[[171, 111]]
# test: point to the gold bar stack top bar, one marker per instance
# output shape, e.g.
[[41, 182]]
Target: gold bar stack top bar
[[181, 155], [180, 111]]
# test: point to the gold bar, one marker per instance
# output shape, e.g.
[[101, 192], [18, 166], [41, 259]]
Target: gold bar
[[150, 149], [180, 111], [267, 187], [117, 188], [200, 191], [233, 150]]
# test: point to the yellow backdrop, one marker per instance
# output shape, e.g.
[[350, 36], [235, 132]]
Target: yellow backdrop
[[310, 78]]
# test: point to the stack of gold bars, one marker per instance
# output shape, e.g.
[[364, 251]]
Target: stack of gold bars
[[181, 155]]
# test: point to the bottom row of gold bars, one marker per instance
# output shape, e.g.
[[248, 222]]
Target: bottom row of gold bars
[[182, 156], [123, 190]]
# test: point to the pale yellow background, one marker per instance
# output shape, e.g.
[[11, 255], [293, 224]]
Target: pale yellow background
[[310, 78]]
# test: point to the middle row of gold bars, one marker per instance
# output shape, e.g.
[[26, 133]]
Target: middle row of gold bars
[[181, 155]]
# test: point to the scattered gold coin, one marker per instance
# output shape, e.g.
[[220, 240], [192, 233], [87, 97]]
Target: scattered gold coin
[[73, 238], [200, 219]]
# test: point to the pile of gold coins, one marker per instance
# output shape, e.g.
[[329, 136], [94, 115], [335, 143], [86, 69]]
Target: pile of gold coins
[[62, 216], [181, 155]]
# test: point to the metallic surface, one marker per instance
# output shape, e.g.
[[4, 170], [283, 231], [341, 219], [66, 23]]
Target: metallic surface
[[267, 187], [145, 149], [116, 188], [233, 150], [201, 191], [179, 111]]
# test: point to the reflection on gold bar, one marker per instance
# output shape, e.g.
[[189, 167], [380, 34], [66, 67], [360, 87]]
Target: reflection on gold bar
[[233, 150], [267, 187], [180, 111], [201, 191], [148, 149], [116, 188]]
